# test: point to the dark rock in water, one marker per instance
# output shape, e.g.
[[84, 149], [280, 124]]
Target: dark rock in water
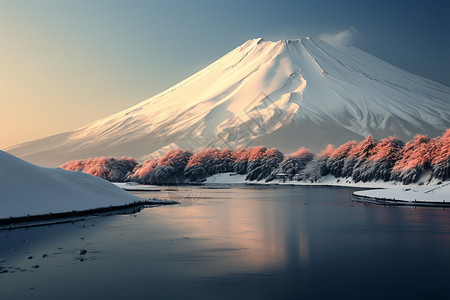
[[36, 266], [44, 255], [83, 252], [30, 257]]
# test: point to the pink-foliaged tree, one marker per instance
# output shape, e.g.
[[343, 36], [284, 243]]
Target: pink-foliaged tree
[[141, 172], [255, 158], [292, 165], [388, 159], [416, 157], [108, 168], [440, 163], [241, 157], [262, 162], [317, 167], [327, 152], [167, 169], [357, 155], [335, 162], [208, 162], [379, 164]]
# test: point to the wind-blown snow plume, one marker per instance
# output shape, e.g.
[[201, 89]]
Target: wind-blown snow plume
[[341, 38], [108, 168]]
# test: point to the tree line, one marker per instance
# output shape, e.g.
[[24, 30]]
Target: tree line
[[369, 160]]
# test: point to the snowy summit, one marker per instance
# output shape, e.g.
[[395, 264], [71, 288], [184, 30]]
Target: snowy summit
[[284, 94]]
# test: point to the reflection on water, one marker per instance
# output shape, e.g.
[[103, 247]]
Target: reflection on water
[[271, 242]]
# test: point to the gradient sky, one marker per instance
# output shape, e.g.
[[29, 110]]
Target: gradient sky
[[64, 64]]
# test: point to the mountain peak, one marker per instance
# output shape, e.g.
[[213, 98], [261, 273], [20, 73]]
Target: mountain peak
[[285, 41], [286, 94]]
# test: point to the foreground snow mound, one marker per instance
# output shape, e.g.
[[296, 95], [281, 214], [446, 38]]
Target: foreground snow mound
[[283, 94], [27, 189]]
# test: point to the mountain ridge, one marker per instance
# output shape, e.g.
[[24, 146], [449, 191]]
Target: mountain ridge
[[287, 94]]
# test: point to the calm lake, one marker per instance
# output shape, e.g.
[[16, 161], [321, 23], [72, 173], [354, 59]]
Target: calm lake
[[236, 243]]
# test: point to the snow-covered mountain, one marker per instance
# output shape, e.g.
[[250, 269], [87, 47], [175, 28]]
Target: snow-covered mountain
[[285, 94]]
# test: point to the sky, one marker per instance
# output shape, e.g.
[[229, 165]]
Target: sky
[[64, 64]]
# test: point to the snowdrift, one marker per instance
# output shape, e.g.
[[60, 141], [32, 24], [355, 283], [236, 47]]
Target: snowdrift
[[27, 189], [415, 195]]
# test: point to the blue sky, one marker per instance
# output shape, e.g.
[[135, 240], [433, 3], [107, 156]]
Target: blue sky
[[67, 63]]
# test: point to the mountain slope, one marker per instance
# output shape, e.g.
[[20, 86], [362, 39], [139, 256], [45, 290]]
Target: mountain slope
[[286, 94]]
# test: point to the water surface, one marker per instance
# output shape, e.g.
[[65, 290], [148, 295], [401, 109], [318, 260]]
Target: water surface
[[250, 242]]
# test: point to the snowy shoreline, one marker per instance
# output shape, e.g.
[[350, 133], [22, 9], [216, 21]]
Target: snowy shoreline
[[31, 193], [392, 193], [328, 180], [435, 195], [70, 216], [397, 202], [136, 187], [384, 193]]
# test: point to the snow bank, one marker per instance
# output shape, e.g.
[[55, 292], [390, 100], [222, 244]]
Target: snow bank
[[328, 180], [381, 192], [226, 178], [412, 195], [135, 186], [27, 189]]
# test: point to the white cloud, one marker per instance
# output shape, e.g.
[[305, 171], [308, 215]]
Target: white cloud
[[341, 38]]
